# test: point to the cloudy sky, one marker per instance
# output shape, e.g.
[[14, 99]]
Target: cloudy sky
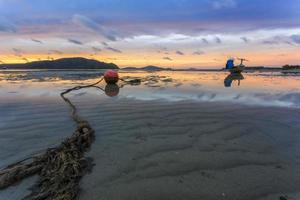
[[172, 33]]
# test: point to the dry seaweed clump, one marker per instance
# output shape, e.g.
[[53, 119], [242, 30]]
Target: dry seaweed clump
[[150, 81], [61, 168]]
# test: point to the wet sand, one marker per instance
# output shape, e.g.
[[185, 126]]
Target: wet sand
[[149, 146], [27, 128], [187, 150]]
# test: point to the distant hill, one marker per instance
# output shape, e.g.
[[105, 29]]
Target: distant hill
[[147, 68], [63, 63], [259, 68], [263, 68], [290, 67], [155, 68]]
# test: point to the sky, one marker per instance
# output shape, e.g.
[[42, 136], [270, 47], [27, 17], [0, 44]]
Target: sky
[[168, 33]]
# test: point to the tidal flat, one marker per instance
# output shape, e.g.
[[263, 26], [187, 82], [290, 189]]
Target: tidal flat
[[184, 135]]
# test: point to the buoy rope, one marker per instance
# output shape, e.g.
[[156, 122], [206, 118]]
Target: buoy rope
[[61, 168]]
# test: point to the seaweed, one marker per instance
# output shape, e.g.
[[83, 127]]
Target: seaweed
[[59, 169]]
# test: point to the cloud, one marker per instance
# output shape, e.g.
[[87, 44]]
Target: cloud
[[85, 21], [50, 58], [167, 58], [17, 52], [270, 42], [7, 26], [281, 55], [161, 49], [104, 43], [112, 58], [37, 41], [291, 40], [205, 41], [296, 38], [198, 53], [289, 43], [96, 49], [114, 50], [56, 52], [25, 59], [1, 62], [218, 40], [179, 53], [75, 42], [94, 26], [245, 39], [132, 18], [222, 4]]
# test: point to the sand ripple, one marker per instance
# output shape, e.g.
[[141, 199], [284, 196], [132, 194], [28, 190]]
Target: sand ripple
[[159, 150]]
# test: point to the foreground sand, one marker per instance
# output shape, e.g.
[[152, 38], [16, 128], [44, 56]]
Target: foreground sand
[[203, 141], [160, 150]]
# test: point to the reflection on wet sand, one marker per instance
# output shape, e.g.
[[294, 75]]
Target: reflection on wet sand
[[60, 168], [201, 144], [112, 90], [233, 77], [271, 89]]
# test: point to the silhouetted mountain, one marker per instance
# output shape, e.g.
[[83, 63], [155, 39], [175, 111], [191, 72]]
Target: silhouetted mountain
[[63, 63], [147, 68], [155, 68], [290, 67]]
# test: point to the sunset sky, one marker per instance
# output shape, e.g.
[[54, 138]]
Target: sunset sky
[[169, 33]]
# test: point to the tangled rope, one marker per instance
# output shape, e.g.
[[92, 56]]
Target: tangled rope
[[61, 168]]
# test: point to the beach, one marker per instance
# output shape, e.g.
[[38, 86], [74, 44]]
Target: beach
[[192, 151], [189, 136]]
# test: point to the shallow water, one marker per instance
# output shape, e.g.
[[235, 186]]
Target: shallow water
[[267, 89], [197, 135]]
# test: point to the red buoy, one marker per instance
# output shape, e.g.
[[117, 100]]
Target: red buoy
[[111, 77]]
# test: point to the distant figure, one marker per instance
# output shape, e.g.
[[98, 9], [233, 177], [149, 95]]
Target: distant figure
[[242, 60], [235, 69], [230, 63]]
